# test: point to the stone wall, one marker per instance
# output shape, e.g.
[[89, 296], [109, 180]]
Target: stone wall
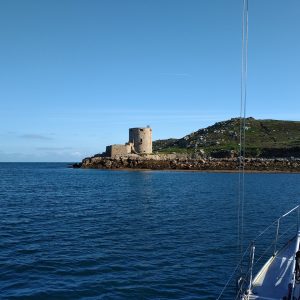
[[117, 150]]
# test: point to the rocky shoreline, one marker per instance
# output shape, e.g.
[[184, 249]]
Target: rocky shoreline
[[182, 162]]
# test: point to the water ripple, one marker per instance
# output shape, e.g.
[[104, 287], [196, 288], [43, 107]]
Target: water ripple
[[91, 234]]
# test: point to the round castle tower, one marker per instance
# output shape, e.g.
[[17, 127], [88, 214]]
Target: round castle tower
[[141, 138]]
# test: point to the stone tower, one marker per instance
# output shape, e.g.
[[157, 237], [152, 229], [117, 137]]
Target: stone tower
[[141, 138]]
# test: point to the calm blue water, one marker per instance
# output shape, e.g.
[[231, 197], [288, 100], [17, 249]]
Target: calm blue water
[[92, 234]]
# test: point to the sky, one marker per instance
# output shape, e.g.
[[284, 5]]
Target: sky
[[76, 74]]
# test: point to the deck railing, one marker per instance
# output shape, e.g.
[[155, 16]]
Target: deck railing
[[266, 245]]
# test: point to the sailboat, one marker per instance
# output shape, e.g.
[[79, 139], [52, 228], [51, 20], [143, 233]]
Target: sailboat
[[278, 278]]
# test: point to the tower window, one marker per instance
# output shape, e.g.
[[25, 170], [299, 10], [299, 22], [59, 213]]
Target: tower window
[[141, 140]]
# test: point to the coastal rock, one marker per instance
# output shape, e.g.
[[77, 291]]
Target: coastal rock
[[184, 162]]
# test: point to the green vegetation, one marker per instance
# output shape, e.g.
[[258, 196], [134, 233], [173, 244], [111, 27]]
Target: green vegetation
[[169, 150], [264, 138]]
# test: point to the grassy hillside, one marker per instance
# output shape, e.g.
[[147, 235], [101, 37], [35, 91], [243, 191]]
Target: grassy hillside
[[264, 138]]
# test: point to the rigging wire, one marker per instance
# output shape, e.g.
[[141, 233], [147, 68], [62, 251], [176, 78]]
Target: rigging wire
[[242, 142], [242, 133], [233, 273]]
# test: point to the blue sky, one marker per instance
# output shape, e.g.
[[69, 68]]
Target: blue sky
[[75, 75]]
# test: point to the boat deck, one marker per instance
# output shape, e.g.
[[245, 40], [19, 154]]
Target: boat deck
[[271, 283]]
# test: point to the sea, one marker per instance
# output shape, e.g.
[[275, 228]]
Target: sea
[[100, 234]]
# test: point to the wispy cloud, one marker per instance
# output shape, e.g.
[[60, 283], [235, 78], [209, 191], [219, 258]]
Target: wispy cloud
[[136, 114], [32, 136], [176, 74], [59, 151], [77, 154], [53, 148], [39, 157]]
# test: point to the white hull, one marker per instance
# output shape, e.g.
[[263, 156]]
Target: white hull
[[273, 280]]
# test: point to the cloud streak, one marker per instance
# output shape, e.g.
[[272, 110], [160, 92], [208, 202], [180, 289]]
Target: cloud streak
[[176, 74], [53, 148], [32, 136]]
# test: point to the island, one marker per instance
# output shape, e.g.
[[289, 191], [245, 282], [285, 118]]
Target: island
[[270, 146]]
